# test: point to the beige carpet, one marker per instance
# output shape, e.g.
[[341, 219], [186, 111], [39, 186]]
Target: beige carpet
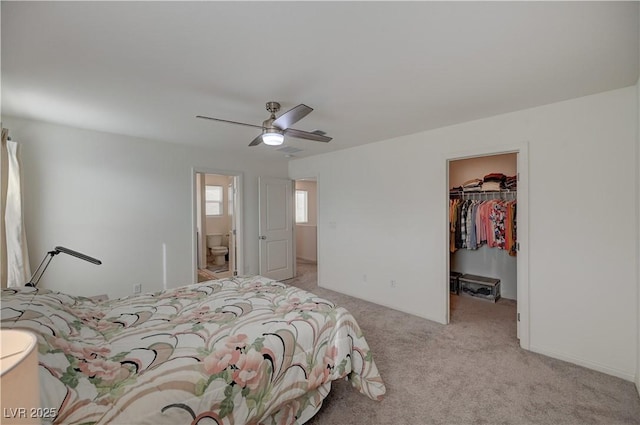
[[471, 371]]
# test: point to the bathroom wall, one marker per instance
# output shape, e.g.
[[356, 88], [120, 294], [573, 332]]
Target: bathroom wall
[[485, 261], [219, 224], [307, 233]]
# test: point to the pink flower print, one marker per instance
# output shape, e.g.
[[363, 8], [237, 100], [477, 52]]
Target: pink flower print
[[249, 370], [219, 360], [253, 287], [287, 414], [330, 356], [182, 293], [308, 307], [318, 376], [105, 326], [194, 315], [202, 314], [92, 352], [83, 352], [228, 355], [75, 350], [320, 373], [258, 287], [287, 306], [200, 311], [295, 304], [236, 341], [107, 370], [89, 315]]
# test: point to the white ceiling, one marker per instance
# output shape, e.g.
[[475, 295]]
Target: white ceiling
[[371, 70]]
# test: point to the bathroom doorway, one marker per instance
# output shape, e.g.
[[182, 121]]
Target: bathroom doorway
[[217, 212]]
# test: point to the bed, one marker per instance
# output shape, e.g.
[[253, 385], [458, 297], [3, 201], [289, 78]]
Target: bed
[[246, 350]]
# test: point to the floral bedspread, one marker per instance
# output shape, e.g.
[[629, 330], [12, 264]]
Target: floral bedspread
[[245, 350]]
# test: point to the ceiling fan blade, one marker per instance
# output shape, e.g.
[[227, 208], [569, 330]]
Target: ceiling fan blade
[[307, 135], [229, 122], [292, 116], [256, 141]]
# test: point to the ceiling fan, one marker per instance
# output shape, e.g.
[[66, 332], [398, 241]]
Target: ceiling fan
[[274, 129]]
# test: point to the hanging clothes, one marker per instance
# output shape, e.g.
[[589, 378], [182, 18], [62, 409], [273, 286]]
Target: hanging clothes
[[473, 223]]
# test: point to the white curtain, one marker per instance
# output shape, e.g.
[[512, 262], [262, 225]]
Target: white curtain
[[14, 259]]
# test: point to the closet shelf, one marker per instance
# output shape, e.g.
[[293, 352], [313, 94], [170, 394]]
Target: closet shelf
[[505, 194]]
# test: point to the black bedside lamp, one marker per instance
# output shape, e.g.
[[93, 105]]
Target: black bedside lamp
[[35, 278]]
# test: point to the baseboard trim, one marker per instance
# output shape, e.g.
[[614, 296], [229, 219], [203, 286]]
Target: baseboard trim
[[585, 363], [393, 307], [307, 260]]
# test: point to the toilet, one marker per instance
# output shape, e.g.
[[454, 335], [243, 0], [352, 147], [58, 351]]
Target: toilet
[[217, 249]]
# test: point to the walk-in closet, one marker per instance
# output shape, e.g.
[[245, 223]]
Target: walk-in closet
[[483, 243]]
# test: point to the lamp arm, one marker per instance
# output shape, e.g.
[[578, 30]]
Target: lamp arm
[[33, 283], [77, 254]]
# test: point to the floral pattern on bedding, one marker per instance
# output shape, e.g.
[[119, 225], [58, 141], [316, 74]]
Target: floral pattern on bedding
[[236, 351]]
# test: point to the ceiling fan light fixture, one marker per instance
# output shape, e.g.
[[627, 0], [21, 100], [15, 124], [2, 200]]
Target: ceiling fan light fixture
[[274, 128], [273, 139]]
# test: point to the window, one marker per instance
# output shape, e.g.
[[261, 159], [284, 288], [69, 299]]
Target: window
[[213, 200], [301, 206]]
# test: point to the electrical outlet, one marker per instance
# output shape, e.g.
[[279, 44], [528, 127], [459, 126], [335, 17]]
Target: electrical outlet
[[364, 278], [137, 288], [393, 283]]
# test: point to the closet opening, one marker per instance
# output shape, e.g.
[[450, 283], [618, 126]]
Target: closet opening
[[483, 243]]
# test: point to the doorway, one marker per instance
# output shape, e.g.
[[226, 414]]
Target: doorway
[[306, 220], [217, 213], [287, 227], [520, 289], [306, 224]]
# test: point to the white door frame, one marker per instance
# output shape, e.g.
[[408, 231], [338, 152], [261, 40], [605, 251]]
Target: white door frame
[[522, 149], [239, 215]]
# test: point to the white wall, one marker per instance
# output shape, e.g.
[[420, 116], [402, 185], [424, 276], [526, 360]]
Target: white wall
[[637, 180], [307, 233], [219, 224], [485, 261], [582, 258], [120, 199]]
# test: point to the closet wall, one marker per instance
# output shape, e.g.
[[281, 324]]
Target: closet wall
[[485, 261]]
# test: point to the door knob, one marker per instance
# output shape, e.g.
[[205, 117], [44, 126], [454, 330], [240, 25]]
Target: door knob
[[262, 237]]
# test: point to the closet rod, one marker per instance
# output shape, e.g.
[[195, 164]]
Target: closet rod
[[480, 195]]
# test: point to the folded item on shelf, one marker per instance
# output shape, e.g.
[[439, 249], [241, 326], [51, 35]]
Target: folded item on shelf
[[491, 185], [472, 182], [494, 177], [511, 182]]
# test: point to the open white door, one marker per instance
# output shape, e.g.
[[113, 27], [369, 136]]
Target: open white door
[[276, 228]]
